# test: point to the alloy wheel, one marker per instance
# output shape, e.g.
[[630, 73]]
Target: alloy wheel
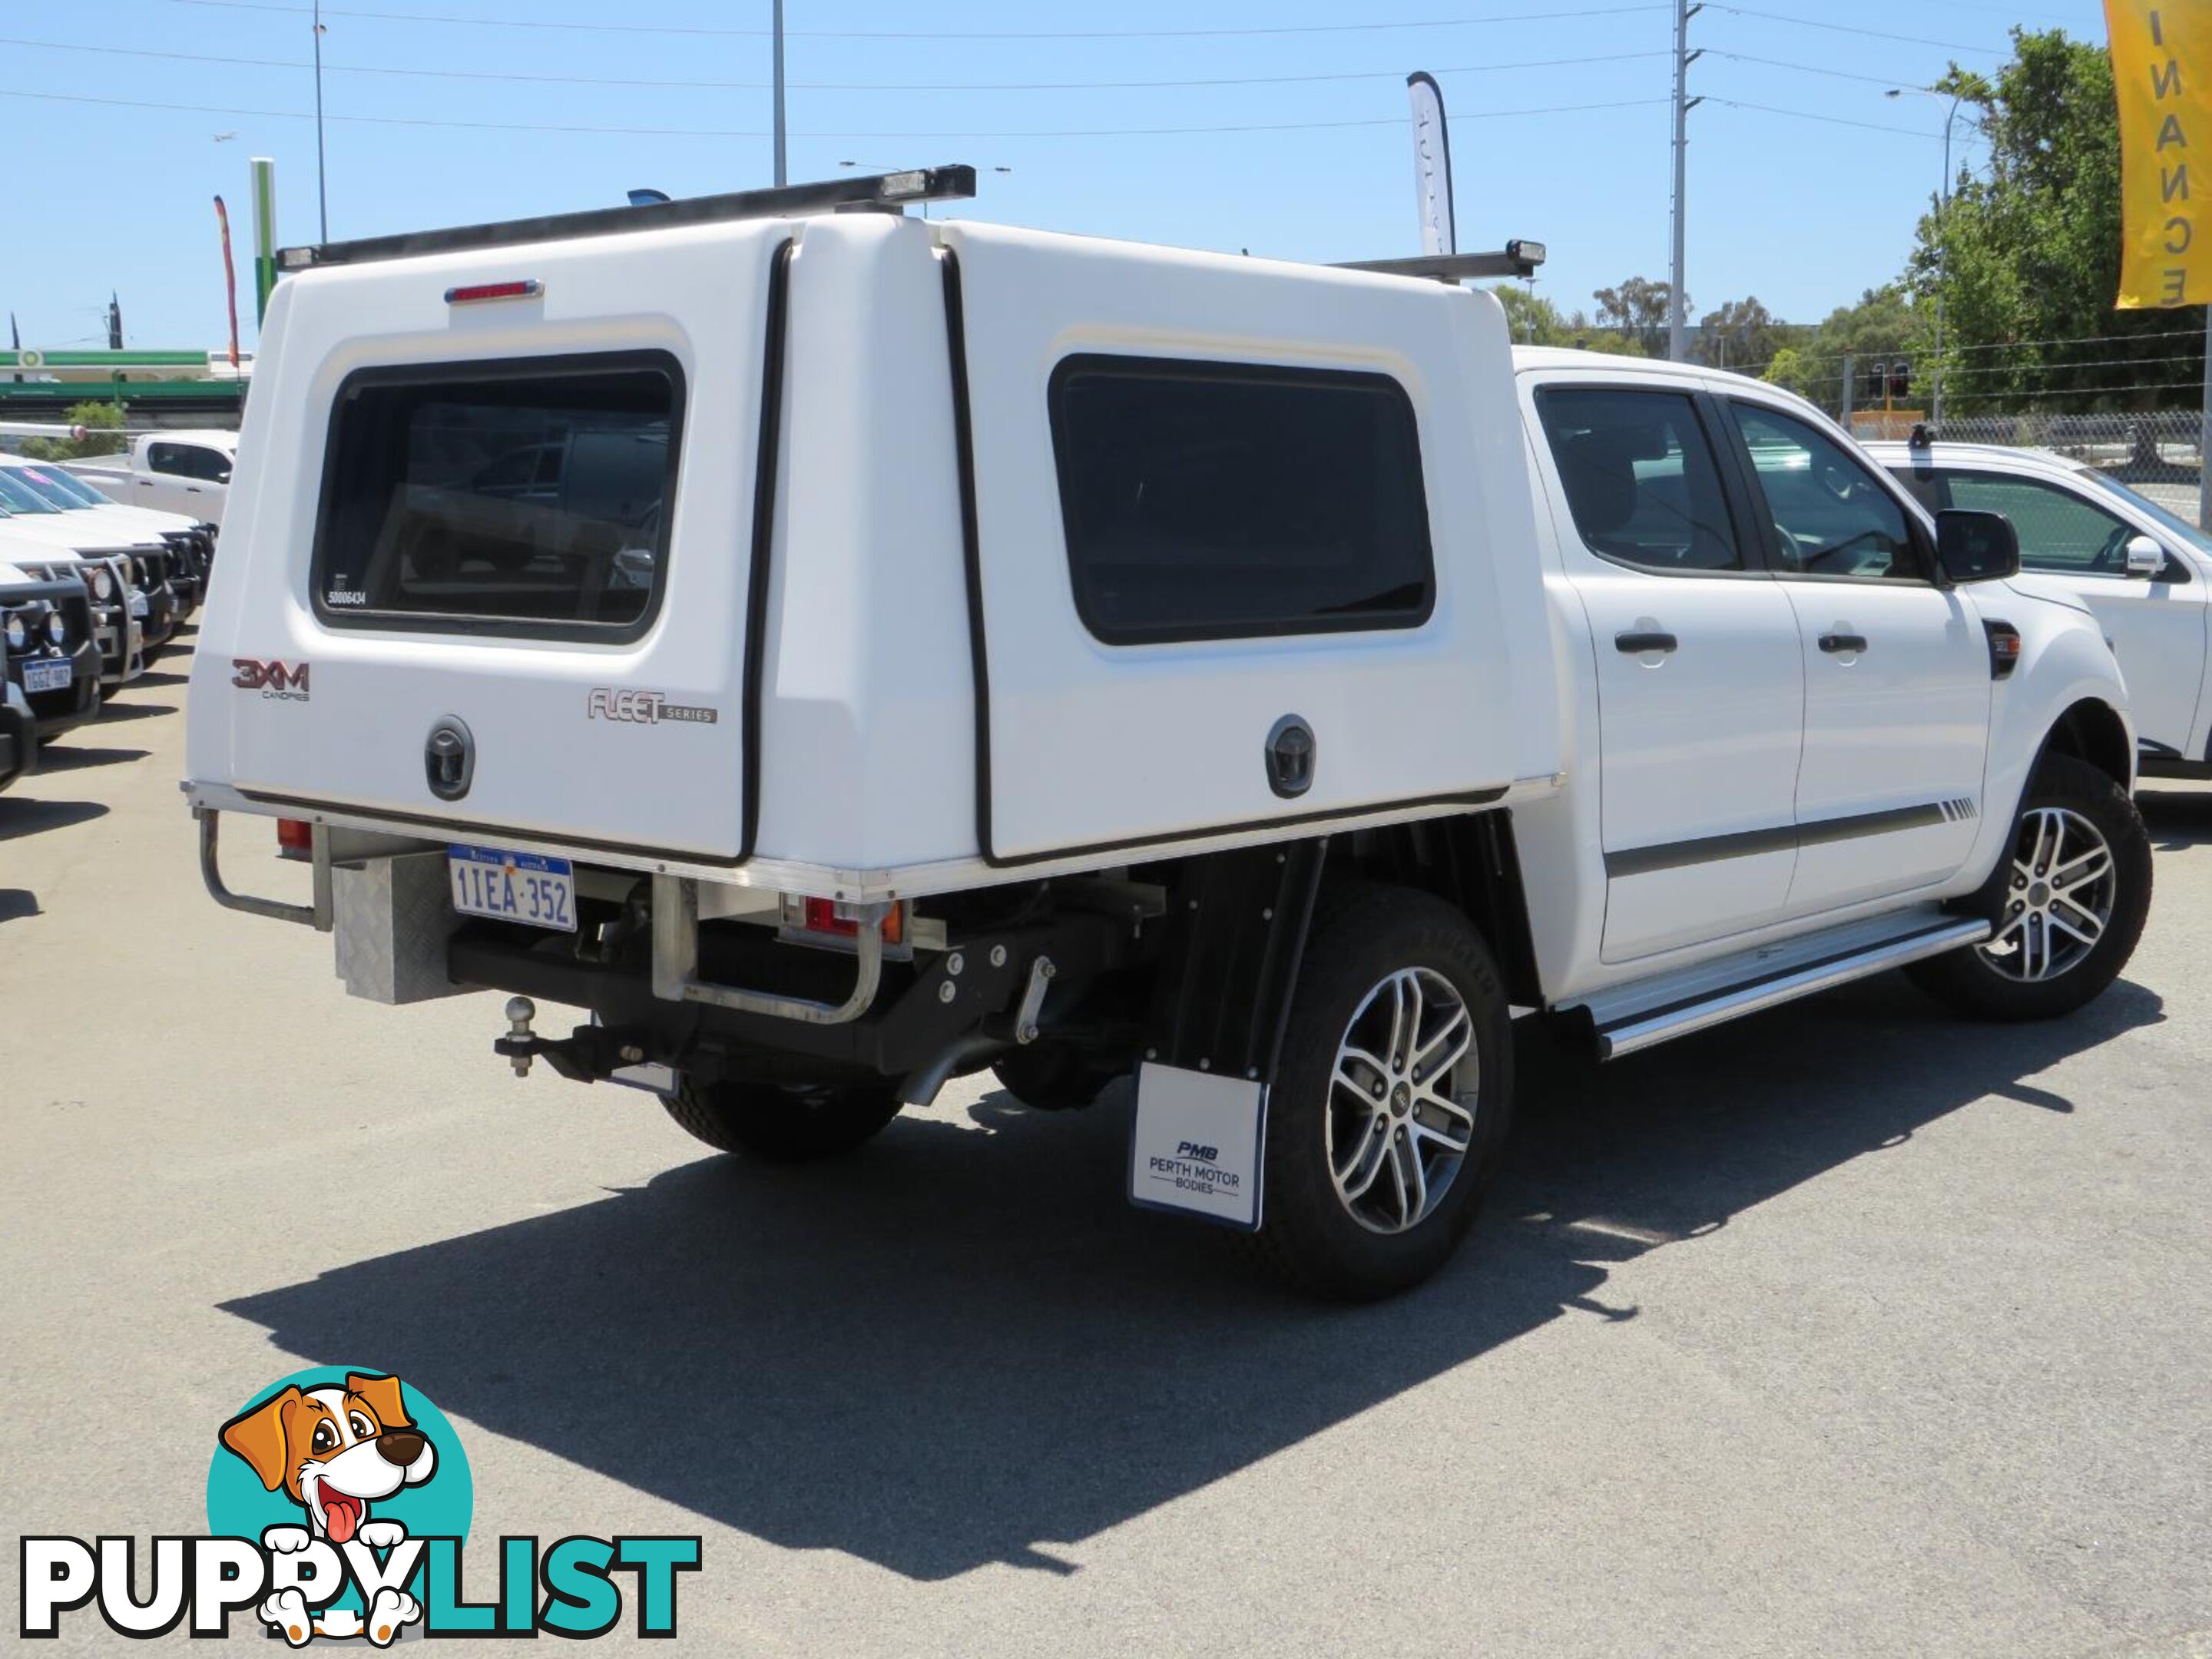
[[1402, 1100], [2059, 899]]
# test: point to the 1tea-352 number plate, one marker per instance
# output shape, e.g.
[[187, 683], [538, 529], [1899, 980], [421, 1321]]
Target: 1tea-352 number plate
[[528, 887]]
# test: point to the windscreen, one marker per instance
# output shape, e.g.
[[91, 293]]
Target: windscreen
[[64, 486], [526, 498], [17, 496]]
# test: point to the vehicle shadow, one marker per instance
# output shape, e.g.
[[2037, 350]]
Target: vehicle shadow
[[110, 710], [155, 678], [31, 818], [955, 1349], [18, 902], [69, 758], [2177, 818]]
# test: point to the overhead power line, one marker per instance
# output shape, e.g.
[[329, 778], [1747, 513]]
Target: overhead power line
[[412, 72], [1808, 68], [1869, 353], [933, 34], [1841, 29], [1831, 120], [728, 132]]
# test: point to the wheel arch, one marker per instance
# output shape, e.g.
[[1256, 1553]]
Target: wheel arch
[[1470, 861], [2092, 731]]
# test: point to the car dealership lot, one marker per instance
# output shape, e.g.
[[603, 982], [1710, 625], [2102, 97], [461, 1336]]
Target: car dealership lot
[[1847, 1329]]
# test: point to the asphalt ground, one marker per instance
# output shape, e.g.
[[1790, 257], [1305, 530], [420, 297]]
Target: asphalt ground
[[1848, 1330]]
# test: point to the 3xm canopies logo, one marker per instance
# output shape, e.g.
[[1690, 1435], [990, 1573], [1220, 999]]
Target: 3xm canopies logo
[[338, 1502]]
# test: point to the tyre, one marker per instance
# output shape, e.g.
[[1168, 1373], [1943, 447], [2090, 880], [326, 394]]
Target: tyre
[[2068, 903], [1051, 1077], [781, 1125], [1392, 1097]]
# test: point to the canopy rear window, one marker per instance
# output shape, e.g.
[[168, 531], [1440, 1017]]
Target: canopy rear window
[[526, 498], [1218, 501]]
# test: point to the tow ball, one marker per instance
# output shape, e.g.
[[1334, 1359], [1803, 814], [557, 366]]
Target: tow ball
[[520, 1044], [586, 1055]]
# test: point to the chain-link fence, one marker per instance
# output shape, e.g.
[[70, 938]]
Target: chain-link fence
[[2159, 452], [2159, 445]]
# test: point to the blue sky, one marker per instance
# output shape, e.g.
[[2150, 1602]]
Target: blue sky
[[1802, 212]]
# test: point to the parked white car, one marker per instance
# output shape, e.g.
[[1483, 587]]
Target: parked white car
[[960, 647], [185, 471], [108, 579], [49, 652], [2144, 570]]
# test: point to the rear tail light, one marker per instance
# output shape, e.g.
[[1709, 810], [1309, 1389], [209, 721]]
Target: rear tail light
[[829, 919], [296, 838]]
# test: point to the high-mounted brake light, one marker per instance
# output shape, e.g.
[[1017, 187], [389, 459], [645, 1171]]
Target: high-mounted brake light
[[528, 290]]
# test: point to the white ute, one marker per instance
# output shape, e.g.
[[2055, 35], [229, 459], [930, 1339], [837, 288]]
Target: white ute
[[185, 471], [842, 650]]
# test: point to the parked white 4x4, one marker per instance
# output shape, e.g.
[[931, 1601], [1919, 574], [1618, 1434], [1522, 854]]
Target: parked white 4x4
[[2144, 571], [842, 650], [182, 472]]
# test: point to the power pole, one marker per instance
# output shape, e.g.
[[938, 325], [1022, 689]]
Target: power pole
[[322, 191], [780, 176], [1684, 11], [2204, 437]]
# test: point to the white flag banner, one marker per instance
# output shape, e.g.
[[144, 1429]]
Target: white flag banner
[[1431, 165]]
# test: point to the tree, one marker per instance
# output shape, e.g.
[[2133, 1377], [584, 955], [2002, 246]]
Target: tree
[[98, 418], [1636, 309], [1791, 370], [2027, 258], [1532, 319], [1742, 334]]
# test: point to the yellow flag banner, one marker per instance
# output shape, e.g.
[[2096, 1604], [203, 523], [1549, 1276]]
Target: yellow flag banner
[[2163, 71]]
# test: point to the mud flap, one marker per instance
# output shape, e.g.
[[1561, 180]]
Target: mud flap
[[1237, 932]]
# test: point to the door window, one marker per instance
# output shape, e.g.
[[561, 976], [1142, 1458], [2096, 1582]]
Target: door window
[[1640, 478], [189, 461], [211, 464], [1825, 514], [2058, 531]]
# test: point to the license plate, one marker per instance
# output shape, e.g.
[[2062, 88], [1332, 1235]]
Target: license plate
[[526, 887], [48, 676]]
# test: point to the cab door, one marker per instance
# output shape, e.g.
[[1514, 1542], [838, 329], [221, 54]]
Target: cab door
[[1701, 693], [1897, 671]]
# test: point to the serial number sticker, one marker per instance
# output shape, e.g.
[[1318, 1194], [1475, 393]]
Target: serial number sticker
[[47, 676], [525, 887]]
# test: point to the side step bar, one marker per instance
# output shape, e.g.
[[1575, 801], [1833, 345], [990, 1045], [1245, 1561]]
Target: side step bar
[[1648, 1030]]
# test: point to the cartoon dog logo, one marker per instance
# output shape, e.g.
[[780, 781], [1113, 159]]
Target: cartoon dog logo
[[335, 1452]]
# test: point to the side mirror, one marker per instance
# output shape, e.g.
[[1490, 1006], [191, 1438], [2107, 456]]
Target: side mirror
[[2145, 558], [1975, 547]]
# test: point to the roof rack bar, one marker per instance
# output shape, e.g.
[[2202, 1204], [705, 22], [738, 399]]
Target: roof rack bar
[[1520, 259], [883, 190]]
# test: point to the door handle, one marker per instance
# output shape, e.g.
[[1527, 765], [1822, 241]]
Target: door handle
[[1635, 644], [1835, 644]]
